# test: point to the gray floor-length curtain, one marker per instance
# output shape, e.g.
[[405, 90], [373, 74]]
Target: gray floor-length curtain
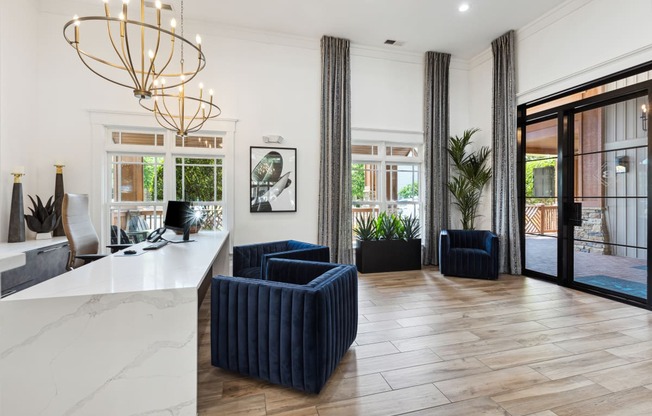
[[436, 132], [334, 227], [505, 204]]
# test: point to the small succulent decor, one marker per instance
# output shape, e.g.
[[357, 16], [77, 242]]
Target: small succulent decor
[[386, 226], [43, 218]]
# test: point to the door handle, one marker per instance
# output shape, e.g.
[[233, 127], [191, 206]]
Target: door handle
[[574, 214]]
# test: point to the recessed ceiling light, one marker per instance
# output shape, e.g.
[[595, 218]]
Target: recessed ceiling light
[[463, 7]]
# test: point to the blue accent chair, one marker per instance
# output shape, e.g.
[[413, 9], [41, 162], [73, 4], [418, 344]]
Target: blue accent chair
[[291, 329], [250, 260], [468, 253]]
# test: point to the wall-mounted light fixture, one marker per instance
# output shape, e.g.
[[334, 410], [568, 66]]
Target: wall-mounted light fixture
[[644, 117], [622, 164], [273, 139]]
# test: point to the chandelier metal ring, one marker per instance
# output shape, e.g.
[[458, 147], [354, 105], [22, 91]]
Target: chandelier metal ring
[[142, 79], [178, 121]]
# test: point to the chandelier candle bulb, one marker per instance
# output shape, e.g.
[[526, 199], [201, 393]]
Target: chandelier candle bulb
[[77, 23]]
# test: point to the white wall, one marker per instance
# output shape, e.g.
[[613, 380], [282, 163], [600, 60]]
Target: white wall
[[578, 42], [18, 40], [480, 83], [269, 83]]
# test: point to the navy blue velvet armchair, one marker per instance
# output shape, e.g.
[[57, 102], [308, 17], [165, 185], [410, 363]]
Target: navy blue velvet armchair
[[468, 253], [251, 260], [291, 329]]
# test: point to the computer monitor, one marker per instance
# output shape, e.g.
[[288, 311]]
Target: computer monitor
[[179, 217]]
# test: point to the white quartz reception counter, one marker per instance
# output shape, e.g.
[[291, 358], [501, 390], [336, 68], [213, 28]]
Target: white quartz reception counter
[[115, 337]]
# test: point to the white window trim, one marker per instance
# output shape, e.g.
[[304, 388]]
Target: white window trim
[[103, 122], [383, 139]]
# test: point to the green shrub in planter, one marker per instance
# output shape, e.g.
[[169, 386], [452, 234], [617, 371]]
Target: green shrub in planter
[[389, 242]]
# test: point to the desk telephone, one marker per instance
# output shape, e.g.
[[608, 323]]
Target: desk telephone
[[156, 235]]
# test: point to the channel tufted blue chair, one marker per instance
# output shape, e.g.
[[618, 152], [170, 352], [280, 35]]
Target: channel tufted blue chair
[[251, 260], [291, 329], [468, 253]]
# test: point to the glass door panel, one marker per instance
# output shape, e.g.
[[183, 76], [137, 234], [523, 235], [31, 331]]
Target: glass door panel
[[610, 188], [541, 234]]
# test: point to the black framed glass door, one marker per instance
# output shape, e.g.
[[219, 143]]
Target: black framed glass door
[[541, 198], [585, 193], [607, 196]]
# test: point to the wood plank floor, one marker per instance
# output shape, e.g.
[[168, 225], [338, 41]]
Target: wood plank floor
[[434, 345]]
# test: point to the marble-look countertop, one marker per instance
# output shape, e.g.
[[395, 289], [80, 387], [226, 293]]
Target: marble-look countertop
[[11, 261], [173, 266], [117, 336], [12, 255]]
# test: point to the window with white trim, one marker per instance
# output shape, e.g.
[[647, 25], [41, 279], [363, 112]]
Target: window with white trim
[[385, 177], [146, 169]]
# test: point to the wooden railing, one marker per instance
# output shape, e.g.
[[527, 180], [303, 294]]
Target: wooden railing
[[359, 212], [540, 219]]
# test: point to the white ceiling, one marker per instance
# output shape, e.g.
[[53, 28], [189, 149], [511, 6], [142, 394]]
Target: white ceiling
[[423, 25]]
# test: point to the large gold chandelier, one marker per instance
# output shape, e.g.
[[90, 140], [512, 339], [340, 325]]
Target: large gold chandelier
[[180, 112], [137, 53]]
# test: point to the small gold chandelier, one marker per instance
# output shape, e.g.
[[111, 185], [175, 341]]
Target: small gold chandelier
[[137, 54], [174, 112], [180, 112]]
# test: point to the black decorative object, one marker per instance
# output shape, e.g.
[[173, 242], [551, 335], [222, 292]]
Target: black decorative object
[[43, 219], [58, 198], [379, 256], [387, 242], [273, 179], [16, 223]]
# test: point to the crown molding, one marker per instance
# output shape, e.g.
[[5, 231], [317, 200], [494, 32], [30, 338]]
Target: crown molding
[[610, 66], [534, 27], [550, 18], [481, 58]]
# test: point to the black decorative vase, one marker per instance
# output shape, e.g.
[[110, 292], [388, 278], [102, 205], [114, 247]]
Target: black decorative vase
[[16, 216], [58, 199]]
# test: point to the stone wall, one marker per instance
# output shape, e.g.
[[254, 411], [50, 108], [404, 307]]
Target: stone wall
[[593, 228]]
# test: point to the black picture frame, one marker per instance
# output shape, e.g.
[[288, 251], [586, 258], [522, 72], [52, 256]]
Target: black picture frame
[[272, 179]]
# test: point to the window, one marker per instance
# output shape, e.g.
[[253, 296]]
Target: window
[[136, 203], [146, 169], [385, 176], [199, 180]]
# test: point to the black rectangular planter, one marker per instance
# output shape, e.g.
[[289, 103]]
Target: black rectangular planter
[[388, 255]]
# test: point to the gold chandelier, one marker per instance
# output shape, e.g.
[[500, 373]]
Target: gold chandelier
[[137, 54], [180, 112]]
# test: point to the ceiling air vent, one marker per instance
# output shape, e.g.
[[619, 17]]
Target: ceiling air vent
[[393, 42]]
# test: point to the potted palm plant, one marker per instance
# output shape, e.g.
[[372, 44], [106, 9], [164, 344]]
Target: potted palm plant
[[388, 242], [473, 174]]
